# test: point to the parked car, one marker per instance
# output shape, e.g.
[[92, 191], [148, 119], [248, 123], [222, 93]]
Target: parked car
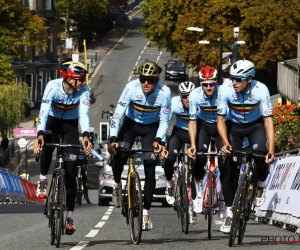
[[106, 182], [175, 70]]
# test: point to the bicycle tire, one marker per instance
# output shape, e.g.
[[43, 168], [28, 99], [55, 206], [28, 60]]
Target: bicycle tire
[[246, 210], [136, 211], [60, 210], [51, 214], [235, 223], [184, 206], [79, 191], [176, 193], [210, 208]]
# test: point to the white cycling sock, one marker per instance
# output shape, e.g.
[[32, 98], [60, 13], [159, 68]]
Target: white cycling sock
[[70, 214], [145, 212], [198, 188], [228, 212], [261, 184], [43, 177], [169, 184], [118, 185]]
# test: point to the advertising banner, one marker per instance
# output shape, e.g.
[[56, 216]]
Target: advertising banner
[[25, 132], [283, 185]]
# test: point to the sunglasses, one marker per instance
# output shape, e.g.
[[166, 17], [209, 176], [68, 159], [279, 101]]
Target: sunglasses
[[150, 81], [184, 96], [211, 84], [237, 79]]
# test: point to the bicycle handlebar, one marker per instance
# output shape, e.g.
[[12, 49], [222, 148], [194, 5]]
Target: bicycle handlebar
[[248, 153], [134, 150]]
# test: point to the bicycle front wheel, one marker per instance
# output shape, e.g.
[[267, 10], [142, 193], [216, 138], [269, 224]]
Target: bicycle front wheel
[[59, 213], [135, 212], [210, 208], [184, 206], [237, 209], [79, 191]]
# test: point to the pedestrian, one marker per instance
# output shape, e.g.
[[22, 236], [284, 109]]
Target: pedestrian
[[4, 143]]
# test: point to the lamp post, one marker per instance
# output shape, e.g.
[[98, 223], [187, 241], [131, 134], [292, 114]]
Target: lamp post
[[220, 34]]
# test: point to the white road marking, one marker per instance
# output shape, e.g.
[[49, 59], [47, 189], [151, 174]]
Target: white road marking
[[100, 224], [105, 217], [108, 213], [80, 245], [92, 233], [218, 222]]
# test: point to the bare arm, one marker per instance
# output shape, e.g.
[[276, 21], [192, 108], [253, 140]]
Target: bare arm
[[271, 138], [192, 133]]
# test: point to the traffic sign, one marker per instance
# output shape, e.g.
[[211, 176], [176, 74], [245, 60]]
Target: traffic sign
[[22, 142]]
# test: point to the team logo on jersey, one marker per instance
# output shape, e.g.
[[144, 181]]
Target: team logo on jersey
[[57, 84], [116, 116], [181, 110], [269, 112], [123, 104], [234, 95], [256, 86], [41, 113], [203, 100], [86, 102], [113, 124], [166, 111], [137, 84], [139, 97], [193, 116], [61, 96], [154, 98], [220, 111], [230, 84], [199, 90], [160, 88], [251, 98]]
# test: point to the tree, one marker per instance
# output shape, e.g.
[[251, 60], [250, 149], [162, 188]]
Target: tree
[[269, 28], [18, 27]]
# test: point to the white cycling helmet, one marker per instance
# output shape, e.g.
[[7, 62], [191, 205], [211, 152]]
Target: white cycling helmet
[[242, 69], [185, 87]]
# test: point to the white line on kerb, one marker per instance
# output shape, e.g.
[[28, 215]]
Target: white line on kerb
[[80, 245], [92, 233]]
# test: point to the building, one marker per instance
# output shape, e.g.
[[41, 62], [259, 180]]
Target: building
[[36, 68]]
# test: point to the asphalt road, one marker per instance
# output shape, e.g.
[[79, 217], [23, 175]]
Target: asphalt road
[[25, 227]]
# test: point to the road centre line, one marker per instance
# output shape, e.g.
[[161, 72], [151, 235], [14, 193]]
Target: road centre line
[[80, 245], [100, 224], [105, 217], [108, 213], [92, 233]]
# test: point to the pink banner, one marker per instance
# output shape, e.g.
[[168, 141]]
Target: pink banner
[[25, 132]]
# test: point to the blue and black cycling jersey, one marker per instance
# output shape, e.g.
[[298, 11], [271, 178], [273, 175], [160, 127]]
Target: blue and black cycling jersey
[[247, 107], [58, 103], [181, 114], [202, 106], [143, 108]]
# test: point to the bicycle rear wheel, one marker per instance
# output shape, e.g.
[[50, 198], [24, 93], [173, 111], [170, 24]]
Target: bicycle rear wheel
[[210, 208], [59, 213], [237, 209], [247, 207], [184, 206], [51, 215], [135, 213]]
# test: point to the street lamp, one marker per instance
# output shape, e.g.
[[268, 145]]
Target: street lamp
[[220, 34], [235, 57]]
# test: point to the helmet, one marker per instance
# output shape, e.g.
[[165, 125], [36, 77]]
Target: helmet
[[150, 69], [243, 69], [73, 69], [208, 73], [185, 87]]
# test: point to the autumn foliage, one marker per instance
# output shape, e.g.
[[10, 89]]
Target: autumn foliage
[[287, 126]]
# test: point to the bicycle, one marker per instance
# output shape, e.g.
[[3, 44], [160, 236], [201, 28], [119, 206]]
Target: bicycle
[[180, 193], [132, 202], [56, 199], [210, 197], [79, 182], [244, 196]]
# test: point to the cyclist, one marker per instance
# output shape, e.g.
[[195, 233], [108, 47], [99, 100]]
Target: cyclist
[[82, 162], [65, 102], [202, 127], [146, 104], [240, 99], [179, 136]]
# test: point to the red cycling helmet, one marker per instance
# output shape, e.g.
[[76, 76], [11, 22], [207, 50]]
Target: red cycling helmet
[[208, 73], [73, 69]]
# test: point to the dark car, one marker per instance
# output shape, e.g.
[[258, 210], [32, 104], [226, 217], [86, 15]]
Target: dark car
[[175, 70]]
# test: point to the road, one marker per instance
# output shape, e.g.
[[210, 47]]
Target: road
[[25, 227]]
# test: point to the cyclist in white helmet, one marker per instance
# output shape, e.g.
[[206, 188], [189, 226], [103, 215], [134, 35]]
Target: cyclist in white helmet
[[247, 106], [202, 127], [179, 136]]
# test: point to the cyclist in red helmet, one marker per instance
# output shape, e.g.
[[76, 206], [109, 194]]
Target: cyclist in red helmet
[[65, 104], [202, 127]]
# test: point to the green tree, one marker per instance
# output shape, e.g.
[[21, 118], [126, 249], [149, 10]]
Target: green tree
[[269, 28], [18, 27]]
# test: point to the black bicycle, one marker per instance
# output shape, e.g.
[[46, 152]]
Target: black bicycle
[[244, 196], [79, 182], [56, 199]]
